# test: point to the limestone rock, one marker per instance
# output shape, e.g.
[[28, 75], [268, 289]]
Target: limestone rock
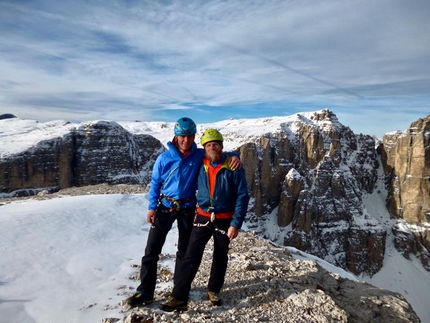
[[407, 156], [406, 161], [308, 175], [265, 283], [92, 153], [314, 171]]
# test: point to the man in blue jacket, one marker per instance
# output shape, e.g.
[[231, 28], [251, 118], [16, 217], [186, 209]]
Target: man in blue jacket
[[222, 199], [171, 197]]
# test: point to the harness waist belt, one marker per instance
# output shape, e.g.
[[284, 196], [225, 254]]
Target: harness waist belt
[[178, 204], [218, 215]]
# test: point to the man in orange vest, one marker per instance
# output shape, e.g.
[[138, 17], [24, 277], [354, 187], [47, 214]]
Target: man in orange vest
[[222, 200]]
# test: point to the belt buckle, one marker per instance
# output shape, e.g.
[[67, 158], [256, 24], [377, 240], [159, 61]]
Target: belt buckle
[[212, 216]]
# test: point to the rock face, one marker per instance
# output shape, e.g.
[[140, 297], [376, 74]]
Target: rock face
[[314, 172], [406, 161], [311, 174], [92, 153], [266, 283]]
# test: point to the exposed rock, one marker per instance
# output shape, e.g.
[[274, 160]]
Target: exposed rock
[[264, 283], [314, 170], [92, 153], [407, 240], [79, 191], [311, 172], [294, 183], [406, 161], [106, 153], [6, 116]]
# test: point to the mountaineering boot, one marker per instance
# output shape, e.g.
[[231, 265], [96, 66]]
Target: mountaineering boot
[[174, 304], [139, 299], [214, 298]]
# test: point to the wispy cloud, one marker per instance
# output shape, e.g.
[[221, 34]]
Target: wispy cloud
[[212, 60]]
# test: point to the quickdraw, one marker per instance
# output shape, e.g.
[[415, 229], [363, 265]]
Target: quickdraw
[[213, 226]]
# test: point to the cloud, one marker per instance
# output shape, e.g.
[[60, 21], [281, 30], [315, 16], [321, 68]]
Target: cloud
[[134, 58]]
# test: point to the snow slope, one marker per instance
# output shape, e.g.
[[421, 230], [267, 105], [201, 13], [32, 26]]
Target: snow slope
[[65, 259]]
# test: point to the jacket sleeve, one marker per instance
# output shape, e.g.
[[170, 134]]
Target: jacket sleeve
[[156, 183], [242, 199], [233, 153]]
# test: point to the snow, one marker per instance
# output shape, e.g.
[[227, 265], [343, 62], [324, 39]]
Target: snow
[[407, 277], [17, 135], [293, 174], [62, 255], [65, 259]]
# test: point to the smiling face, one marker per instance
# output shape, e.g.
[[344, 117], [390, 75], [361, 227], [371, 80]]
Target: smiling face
[[185, 142], [213, 151]]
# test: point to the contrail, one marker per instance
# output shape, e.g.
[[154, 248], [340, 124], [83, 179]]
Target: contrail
[[273, 62]]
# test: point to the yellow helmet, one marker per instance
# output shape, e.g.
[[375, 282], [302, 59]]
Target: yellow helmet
[[211, 135]]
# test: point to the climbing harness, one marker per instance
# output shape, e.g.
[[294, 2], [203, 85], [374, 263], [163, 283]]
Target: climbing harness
[[177, 205], [211, 224]]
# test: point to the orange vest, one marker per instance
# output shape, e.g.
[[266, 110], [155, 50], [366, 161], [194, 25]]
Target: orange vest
[[212, 172]]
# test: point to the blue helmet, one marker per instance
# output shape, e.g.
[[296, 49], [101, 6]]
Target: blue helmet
[[185, 127]]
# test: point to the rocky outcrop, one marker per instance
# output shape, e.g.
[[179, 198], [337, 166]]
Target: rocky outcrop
[[309, 174], [314, 172], [267, 283], [91, 153], [6, 116], [406, 161]]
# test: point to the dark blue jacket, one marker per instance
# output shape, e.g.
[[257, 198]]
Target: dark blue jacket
[[230, 193]]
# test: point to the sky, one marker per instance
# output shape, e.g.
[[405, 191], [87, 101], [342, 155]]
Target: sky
[[68, 258], [367, 61]]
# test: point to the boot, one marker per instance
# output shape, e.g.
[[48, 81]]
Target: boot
[[214, 298], [174, 304], [139, 299]]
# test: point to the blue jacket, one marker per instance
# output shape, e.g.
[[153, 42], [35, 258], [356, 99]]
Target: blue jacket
[[230, 193], [174, 176]]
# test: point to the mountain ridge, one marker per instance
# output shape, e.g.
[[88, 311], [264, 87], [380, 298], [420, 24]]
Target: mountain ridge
[[321, 203]]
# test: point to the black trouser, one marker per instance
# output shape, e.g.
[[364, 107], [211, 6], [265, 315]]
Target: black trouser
[[193, 257], [156, 239]]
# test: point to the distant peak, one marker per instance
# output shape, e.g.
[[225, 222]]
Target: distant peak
[[7, 116], [325, 114]]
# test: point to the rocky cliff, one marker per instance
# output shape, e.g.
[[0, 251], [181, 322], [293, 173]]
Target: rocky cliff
[[90, 153], [309, 174], [406, 162], [313, 172]]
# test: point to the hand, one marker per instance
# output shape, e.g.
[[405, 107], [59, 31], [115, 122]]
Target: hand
[[150, 217], [232, 232], [235, 162]]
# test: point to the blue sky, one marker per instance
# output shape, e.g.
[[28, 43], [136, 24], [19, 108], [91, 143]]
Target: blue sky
[[367, 61]]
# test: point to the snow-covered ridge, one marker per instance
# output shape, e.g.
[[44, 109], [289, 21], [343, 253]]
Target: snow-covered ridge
[[18, 135]]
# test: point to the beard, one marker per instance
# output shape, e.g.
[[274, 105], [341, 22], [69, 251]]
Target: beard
[[213, 156]]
